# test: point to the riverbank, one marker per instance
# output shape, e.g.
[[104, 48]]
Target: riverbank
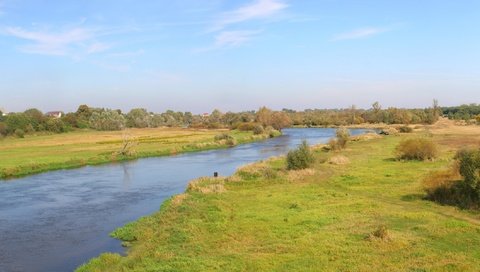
[[36, 154], [265, 218]]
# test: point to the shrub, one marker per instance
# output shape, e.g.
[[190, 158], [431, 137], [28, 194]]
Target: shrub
[[447, 186], [389, 131], [341, 139], [343, 136], [20, 133], [272, 132], [56, 126], [405, 129], [300, 158], [417, 149], [3, 129], [246, 126], [223, 136], [258, 129], [469, 161]]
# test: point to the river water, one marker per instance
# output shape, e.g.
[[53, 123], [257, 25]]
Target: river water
[[56, 221]]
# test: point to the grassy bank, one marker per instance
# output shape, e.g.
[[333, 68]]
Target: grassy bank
[[366, 214], [35, 154]]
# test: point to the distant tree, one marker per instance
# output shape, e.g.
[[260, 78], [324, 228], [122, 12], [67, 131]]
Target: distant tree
[[138, 118], [264, 116], [56, 125], [36, 117], [83, 115], [280, 120], [107, 120], [215, 117], [70, 119], [16, 121]]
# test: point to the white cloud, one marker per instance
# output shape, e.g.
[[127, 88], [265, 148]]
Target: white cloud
[[226, 39], [360, 33], [49, 43], [73, 42], [257, 10], [97, 47], [234, 38]]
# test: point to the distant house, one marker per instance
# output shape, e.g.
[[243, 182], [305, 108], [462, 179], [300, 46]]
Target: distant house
[[54, 114], [205, 115]]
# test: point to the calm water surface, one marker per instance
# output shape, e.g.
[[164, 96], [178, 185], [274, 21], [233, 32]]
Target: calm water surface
[[57, 220]]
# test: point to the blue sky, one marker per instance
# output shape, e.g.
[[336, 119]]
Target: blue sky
[[197, 55]]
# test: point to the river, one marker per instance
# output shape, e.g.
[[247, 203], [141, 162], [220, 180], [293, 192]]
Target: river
[[55, 221]]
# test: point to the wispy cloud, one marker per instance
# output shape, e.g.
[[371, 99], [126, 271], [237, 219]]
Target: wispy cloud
[[234, 38], [360, 33], [229, 39], [51, 43], [260, 9], [257, 10], [98, 47]]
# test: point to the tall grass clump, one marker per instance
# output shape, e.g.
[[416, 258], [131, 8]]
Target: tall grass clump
[[342, 136], [300, 158], [417, 149], [225, 138]]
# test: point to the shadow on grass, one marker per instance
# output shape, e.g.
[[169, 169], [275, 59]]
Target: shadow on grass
[[413, 197], [390, 160]]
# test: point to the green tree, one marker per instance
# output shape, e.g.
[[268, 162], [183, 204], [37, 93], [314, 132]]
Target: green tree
[[138, 118], [107, 120]]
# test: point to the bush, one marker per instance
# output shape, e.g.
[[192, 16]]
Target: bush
[[20, 133], [272, 133], [258, 129], [223, 136], [469, 161], [300, 158], [246, 126], [341, 139], [56, 126], [405, 129], [3, 129], [447, 186], [417, 149], [343, 136]]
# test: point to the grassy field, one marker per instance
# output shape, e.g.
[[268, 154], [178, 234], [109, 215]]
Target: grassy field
[[35, 154], [265, 218]]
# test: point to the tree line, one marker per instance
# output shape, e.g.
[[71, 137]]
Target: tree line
[[85, 117], [463, 112]]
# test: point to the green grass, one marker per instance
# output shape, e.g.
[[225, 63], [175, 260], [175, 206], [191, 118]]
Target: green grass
[[306, 221], [35, 154]]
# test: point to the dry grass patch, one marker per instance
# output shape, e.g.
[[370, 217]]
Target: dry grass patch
[[177, 200], [207, 185], [366, 137], [380, 234], [339, 160], [300, 175]]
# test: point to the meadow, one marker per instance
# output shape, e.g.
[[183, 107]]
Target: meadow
[[365, 212], [38, 153]]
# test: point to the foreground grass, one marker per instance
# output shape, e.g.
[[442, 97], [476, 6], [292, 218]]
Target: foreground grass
[[265, 218], [36, 154]]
